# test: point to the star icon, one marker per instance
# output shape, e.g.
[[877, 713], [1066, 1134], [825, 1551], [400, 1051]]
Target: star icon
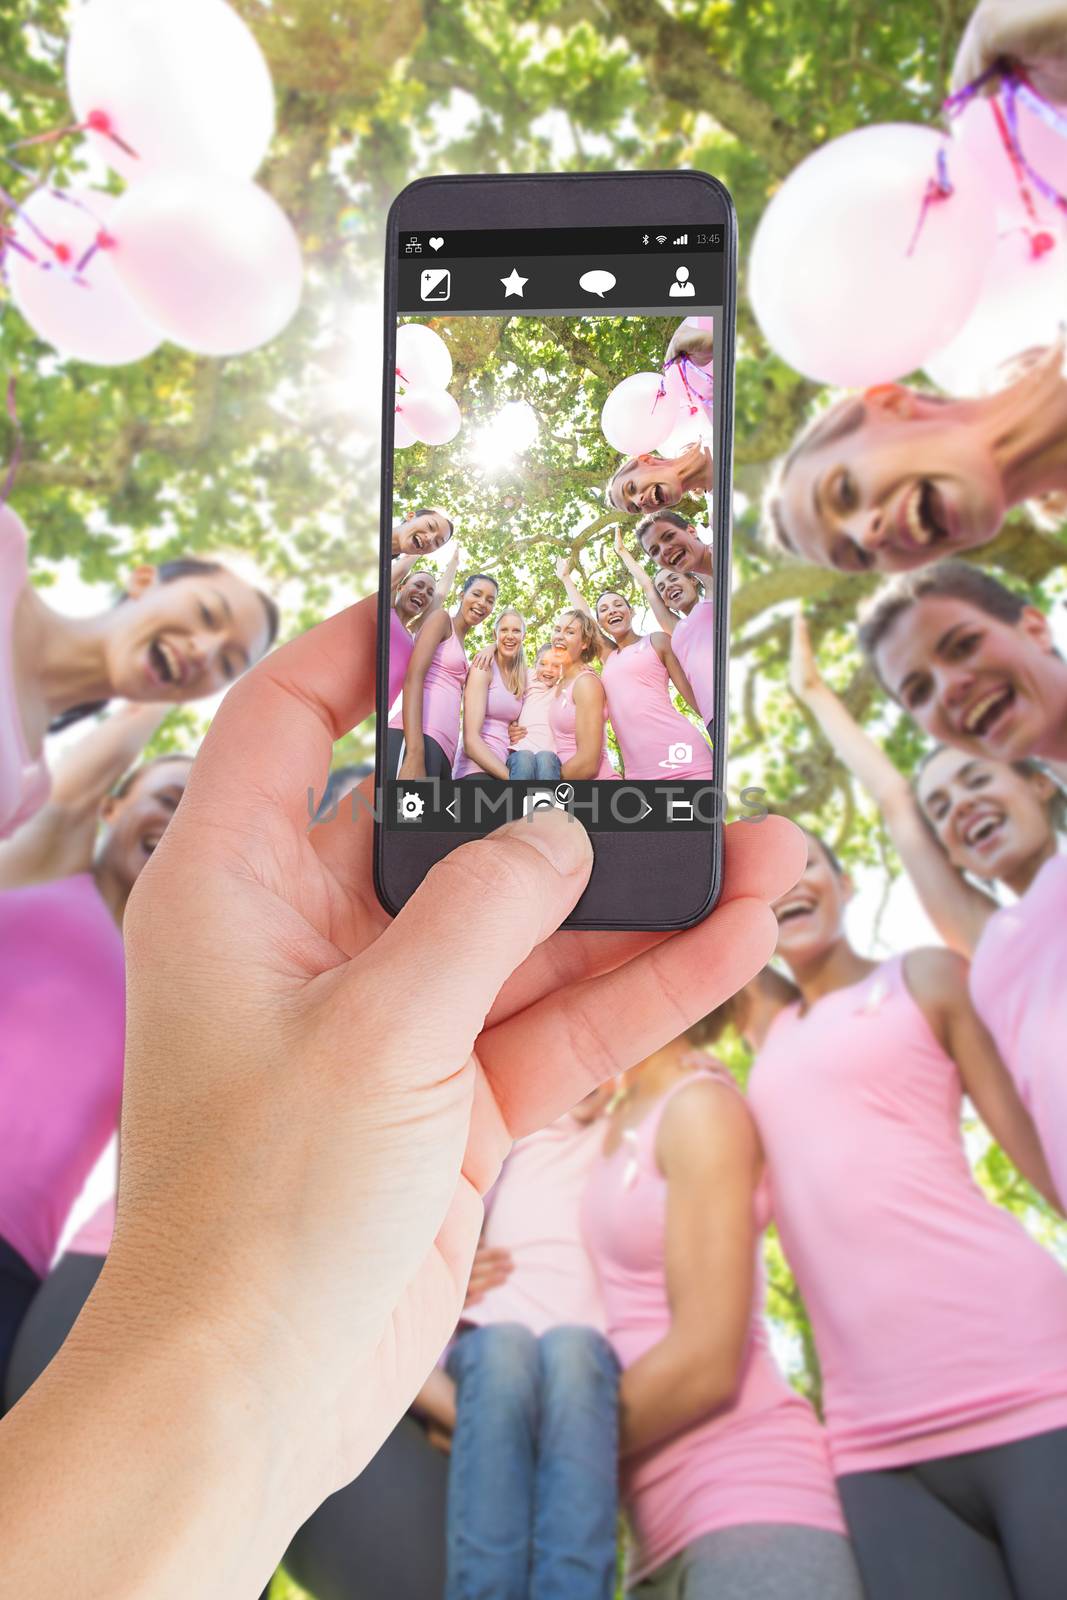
[[513, 284]]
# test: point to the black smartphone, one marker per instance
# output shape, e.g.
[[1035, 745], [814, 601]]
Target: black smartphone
[[555, 552]]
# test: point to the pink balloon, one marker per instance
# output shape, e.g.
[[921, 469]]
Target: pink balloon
[[831, 280], [1045, 150], [431, 414], [182, 82], [635, 417], [96, 320], [423, 360], [212, 260], [1021, 306], [706, 324], [402, 434]]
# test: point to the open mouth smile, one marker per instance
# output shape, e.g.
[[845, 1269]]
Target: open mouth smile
[[793, 910], [981, 717], [923, 518], [166, 664]]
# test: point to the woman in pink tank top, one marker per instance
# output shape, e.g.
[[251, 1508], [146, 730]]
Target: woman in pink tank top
[[941, 1326], [578, 709], [679, 598], [726, 1477], [416, 595], [423, 739], [492, 701], [62, 991], [969, 825]]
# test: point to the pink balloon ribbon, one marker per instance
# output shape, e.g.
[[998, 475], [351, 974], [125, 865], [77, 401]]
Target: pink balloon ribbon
[[938, 188], [1015, 90], [96, 122]]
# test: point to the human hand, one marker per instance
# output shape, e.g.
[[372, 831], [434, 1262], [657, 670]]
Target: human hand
[[620, 543], [412, 768], [516, 731], [805, 679], [563, 568], [484, 659], [490, 1268], [316, 1097], [1031, 34], [696, 343]]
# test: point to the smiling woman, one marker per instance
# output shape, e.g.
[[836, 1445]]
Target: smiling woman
[[181, 631]]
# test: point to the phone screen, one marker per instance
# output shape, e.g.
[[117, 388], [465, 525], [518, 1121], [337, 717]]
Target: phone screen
[[553, 622]]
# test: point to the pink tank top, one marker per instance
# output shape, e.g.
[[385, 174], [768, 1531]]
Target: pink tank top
[[24, 780], [561, 718], [62, 1005], [442, 694], [501, 709], [1019, 989], [941, 1326], [694, 645], [654, 737], [761, 1459], [401, 646]]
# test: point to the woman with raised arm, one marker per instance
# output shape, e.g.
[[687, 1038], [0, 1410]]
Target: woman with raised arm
[[941, 1326], [638, 672], [680, 604], [578, 711], [182, 630], [966, 822], [416, 595], [492, 701], [725, 1471], [424, 735], [425, 530]]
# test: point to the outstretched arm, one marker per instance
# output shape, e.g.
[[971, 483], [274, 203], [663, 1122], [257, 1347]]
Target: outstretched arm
[[565, 574], [957, 909], [664, 649], [59, 840], [662, 612]]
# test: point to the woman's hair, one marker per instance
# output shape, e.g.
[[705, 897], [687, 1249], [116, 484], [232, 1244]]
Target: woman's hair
[[481, 577], [429, 511], [514, 674], [832, 857], [625, 466], [170, 572], [646, 524], [121, 790], [947, 580], [590, 632]]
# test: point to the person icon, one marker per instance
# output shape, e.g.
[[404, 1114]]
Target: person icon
[[681, 288]]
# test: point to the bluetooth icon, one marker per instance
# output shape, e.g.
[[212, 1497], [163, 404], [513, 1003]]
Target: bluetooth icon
[[645, 239]]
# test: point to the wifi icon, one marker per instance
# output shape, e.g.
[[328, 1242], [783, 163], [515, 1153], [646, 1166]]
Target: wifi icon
[[661, 238]]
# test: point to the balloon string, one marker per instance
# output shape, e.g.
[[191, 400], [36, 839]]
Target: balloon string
[[96, 122], [16, 454], [938, 188], [1015, 90]]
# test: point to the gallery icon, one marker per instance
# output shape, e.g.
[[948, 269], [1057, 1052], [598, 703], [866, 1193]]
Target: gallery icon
[[680, 811], [436, 283]]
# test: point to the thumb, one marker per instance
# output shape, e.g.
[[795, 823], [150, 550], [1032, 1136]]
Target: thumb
[[474, 919]]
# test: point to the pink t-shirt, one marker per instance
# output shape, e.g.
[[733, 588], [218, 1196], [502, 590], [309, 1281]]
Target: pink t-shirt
[[562, 720], [652, 734], [501, 709], [536, 705], [24, 781], [941, 1326], [694, 645], [1019, 989], [533, 1211], [62, 1001], [94, 1237], [761, 1459]]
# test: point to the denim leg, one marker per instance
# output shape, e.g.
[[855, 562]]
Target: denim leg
[[575, 1522], [521, 764], [547, 766], [492, 1467]]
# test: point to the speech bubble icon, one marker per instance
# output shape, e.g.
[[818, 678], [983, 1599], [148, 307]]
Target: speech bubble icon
[[597, 282]]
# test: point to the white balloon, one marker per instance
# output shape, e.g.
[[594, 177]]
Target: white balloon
[[212, 260], [183, 83], [431, 414], [636, 418], [423, 360], [94, 320], [1022, 305], [402, 434]]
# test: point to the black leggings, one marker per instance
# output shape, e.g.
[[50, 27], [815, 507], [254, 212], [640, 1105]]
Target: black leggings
[[382, 1536], [986, 1525], [437, 762], [18, 1285]]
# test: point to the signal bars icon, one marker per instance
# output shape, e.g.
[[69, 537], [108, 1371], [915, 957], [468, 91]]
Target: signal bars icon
[[683, 238]]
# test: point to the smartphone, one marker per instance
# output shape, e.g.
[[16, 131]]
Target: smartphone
[[555, 528]]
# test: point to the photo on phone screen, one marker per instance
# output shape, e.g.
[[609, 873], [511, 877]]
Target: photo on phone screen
[[554, 615]]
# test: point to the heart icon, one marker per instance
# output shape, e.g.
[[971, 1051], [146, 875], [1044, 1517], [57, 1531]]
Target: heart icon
[[435, 244]]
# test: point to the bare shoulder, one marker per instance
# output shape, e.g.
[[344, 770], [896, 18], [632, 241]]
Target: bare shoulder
[[707, 1123], [936, 977]]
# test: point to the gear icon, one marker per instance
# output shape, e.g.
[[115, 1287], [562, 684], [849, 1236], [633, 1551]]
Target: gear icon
[[411, 806]]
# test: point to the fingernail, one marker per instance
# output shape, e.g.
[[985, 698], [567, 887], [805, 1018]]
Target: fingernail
[[558, 836]]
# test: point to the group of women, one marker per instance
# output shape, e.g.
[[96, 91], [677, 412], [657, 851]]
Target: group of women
[[497, 713]]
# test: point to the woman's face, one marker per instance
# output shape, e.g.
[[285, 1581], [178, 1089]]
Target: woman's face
[[478, 602], [810, 916], [677, 549], [420, 534], [648, 483], [509, 635], [676, 589], [614, 615], [185, 639], [990, 819], [989, 687], [137, 822], [568, 639], [416, 594], [913, 483]]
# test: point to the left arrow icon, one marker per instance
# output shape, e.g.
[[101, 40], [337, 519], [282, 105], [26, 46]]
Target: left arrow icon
[[453, 809]]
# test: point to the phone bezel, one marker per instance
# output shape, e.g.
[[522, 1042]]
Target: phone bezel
[[653, 871]]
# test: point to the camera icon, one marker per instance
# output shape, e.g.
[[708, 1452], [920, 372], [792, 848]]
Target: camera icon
[[678, 755], [541, 800]]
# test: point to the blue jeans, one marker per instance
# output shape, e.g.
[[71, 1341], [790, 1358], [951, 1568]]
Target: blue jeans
[[541, 765], [533, 1478]]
